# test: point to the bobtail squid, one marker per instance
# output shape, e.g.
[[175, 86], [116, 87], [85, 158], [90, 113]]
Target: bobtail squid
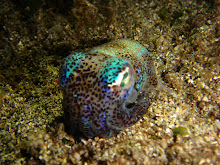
[[108, 88]]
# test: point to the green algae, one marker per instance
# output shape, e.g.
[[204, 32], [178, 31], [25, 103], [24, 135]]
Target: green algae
[[183, 131]]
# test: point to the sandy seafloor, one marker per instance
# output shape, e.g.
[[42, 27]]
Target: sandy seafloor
[[181, 127]]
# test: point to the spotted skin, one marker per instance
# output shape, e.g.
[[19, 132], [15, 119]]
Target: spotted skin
[[108, 88]]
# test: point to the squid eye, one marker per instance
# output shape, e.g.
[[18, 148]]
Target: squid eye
[[126, 79]]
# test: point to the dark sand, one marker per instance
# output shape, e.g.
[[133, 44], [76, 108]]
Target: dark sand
[[181, 127]]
